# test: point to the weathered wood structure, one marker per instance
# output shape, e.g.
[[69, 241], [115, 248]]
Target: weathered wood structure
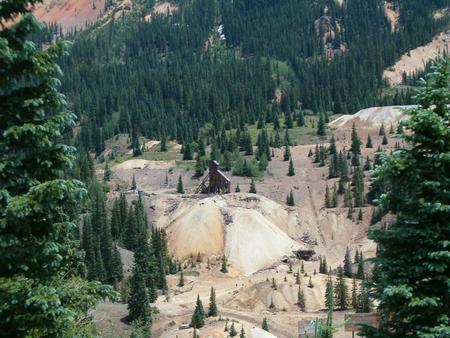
[[215, 182]]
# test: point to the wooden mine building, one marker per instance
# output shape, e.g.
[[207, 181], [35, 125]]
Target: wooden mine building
[[215, 182]]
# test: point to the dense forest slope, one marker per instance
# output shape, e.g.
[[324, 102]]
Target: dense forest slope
[[167, 74]]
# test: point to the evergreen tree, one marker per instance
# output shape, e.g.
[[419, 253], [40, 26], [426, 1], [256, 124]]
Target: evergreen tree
[[106, 173], [340, 290], [291, 170], [198, 317], [181, 281], [300, 119], [238, 189], [290, 199], [301, 299], [310, 283], [242, 334], [384, 141], [321, 125], [138, 305], [212, 311], [272, 304], [199, 169], [187, 152], [360, 272], [224, 268], [354, 294], [329, 293], [369, 142], [180, 188], [39, 256], [133, 183], [356, 142], [265, 325], [328, 201], [252, 187], [233, 332], [364, 302], [287, 153], [382, 131], [135, 145], [348, 264]]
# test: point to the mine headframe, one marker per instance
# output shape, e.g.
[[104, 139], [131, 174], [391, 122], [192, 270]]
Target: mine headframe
[[215, 182]]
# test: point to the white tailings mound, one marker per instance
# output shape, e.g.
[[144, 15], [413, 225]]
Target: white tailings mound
[[371, 117], [235, 224], [144, 164], [260, 333]]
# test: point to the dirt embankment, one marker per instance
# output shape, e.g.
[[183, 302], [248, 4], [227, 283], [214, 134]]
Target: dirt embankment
[[69, 13], [416, 59]]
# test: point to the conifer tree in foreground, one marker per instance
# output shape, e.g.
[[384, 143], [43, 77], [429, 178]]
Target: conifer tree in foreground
[[233, 332], [35, 200], [417, 181]]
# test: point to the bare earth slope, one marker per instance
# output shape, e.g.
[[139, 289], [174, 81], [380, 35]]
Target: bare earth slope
[[416, 59], [70, 13]]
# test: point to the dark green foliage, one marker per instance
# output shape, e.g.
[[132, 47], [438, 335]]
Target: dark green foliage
[[364, 302], [310, 283], [321, 126], [212, 310], [360, 272], [180, 188], [265, 325], [341, 290], [237, 188], [358, 187], [329, 294], [382, 131], [348, 264], [242, 334], [138, 304], [384, 141], [133, 183], [39, 257], [301, 299], [106, 173], [290, 199], [354, 301], [198, 317], [369, 142], [323, 267], [291, 170], [252, 187], [224, 268], [233, 332], [287, 153]]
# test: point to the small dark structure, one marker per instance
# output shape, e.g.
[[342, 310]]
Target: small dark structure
[[215, 182]]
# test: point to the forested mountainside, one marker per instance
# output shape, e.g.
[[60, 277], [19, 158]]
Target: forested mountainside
[[223, 62]]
